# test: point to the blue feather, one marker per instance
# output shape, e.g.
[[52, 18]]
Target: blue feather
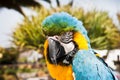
[[86, 66]]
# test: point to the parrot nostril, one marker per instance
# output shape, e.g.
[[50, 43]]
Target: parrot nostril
[[53, 59], [57, 37]]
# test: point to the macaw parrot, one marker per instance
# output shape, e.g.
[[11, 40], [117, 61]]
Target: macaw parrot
[[68, 53]]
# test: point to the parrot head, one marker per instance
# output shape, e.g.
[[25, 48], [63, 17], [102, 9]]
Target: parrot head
[[61, 48], [65, 36]]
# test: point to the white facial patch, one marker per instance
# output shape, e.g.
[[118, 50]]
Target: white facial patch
[[68, 47]]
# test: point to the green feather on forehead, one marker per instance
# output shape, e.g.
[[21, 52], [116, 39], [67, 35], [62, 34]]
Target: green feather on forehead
[[57, 29]]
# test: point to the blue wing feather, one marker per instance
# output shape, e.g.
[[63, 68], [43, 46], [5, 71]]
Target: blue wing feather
[[110, 69], [87, 66]]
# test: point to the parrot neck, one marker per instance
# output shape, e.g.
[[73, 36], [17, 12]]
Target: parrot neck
[[81, 41]]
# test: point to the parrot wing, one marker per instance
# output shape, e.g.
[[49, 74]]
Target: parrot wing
[[101, 59], [110, 69], [86, 66]]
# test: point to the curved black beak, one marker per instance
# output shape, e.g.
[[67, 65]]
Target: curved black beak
[[55, 50]]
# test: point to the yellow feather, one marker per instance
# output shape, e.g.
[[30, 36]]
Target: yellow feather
[[98, 55], [80, 40]]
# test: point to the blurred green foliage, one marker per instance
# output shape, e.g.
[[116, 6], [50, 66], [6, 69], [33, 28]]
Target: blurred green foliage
[[8, 55], [29, 34], [102, 31], [118, 15]]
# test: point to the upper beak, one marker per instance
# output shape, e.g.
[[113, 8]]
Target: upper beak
[[56, 51], [53, 49]]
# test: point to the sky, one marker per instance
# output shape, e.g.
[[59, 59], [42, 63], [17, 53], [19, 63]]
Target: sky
[[10, 18], [8, 22]]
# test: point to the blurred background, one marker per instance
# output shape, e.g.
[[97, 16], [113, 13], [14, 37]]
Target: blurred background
[[22, 38]]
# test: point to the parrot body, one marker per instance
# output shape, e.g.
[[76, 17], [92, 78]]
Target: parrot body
[[68, 53]]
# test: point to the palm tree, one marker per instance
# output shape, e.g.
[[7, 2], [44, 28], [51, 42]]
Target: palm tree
[[16, 4]]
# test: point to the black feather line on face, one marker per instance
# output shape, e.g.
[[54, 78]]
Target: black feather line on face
[[70, 55]]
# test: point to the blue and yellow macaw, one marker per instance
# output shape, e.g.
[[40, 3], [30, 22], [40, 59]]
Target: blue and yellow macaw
[[68, 53]]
